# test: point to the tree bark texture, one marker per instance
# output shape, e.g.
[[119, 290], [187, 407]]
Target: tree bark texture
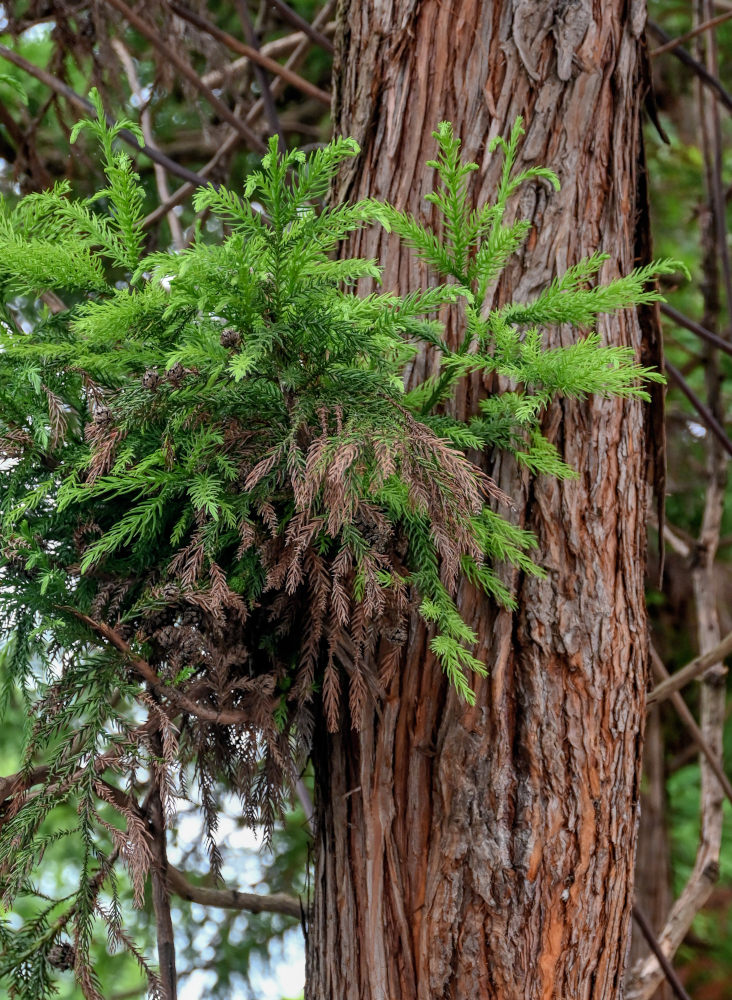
[[487, 852]]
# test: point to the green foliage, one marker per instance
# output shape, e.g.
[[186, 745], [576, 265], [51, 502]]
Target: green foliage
[[15, 86], [218, 497]]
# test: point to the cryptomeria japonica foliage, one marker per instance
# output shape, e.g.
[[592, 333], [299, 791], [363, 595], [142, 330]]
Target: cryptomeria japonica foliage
[[221, 508]]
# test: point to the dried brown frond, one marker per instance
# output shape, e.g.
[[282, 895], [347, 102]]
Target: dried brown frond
[[357, 697], [118, 938], [187, 563], [132, 844], [58, 413], [14, 442], [86, 977], [331, 695], [263, 468], [104, 441]]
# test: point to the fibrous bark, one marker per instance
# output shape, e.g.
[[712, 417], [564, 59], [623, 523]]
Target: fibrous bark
[[487, 852]]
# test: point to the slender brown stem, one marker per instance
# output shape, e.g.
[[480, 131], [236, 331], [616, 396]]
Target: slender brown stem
[[185, 190], [714, 169], [294, 60], [82, 104], [649, 972], [160, 891], [692, 670], [275, 49], [9, 150], [232, 899], [235, 45], [673, 980], [687, 36], [299, 22], [169, 53], [146, 672], [696, 67], [161, 181], [701, 408], [20, 141], [684, 713], [697, 328], [269, 104]]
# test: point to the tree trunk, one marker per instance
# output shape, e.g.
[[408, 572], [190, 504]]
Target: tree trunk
[[487, 852]]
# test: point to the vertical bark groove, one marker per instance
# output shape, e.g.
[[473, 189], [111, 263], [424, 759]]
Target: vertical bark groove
[[487, 852]]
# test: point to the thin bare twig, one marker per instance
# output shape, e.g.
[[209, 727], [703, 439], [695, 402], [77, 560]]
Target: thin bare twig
[[186, 190], [687, 36], [82, 104], [714, 168], [159, 878], [20, 145], [269, 104], [696, 67], [232, 899], [698, 666], [684, 713], [697, 328], [701, 408], [678, 543], [203, 24], [673, 980], [161, 181], [294, 60], [648, 973], [232, 139], [169, 53], [275, 49], [305, 26]]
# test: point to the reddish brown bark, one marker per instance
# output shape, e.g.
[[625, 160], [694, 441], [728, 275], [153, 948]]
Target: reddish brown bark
[[487, 852]]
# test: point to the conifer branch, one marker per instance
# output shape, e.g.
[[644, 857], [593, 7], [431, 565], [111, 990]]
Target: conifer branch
[[232, 899], [148, 674]]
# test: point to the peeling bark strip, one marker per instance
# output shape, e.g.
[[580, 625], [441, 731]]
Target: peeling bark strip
[[488, 852]]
